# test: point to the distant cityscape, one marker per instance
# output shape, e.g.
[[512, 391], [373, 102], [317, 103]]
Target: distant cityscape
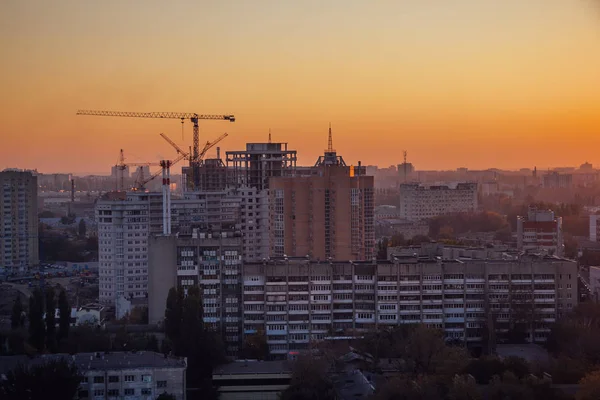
[[305, 255]]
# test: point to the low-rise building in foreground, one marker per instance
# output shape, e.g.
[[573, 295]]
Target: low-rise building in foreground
[[118, 375]]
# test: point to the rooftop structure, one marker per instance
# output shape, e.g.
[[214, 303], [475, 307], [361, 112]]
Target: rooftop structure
[[260, 161], [252, 380], [540, 230], [421, 202], [139, 375]]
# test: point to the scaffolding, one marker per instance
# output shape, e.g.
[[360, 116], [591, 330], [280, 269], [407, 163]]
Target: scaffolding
[[259, 162]]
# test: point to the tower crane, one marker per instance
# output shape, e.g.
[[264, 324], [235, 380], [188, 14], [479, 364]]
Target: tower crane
[[172, 143], [193, 117], [122, 165], [210, 145], [143, 182]]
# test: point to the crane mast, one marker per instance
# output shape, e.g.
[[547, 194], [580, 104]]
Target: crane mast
[[193, 117]]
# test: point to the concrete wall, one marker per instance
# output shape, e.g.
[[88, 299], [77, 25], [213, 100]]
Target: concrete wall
[[162, 274]]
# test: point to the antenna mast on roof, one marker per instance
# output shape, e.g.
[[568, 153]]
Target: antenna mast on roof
[[405, 165]]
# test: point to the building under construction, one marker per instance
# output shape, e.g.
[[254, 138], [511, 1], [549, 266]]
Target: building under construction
[[259, 162], [212, 176]]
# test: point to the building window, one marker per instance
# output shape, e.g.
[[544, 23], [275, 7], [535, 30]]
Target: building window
[[113, 393], [146, 392], [99, 379], [161, 384], [129, 392], [98, 392], [146, 378], [129, 378], [113, 379]]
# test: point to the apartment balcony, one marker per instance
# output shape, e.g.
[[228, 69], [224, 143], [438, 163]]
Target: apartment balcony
[[434, 311], [340, 320], [425, 302], [454, 320], [452, 329], [278, 351], [298, 312], [278, 331], [299, 301], [301, 331], [342, 301], [276, 312], [432, 320], [320, 312], [278, 341], [254, 321], [321, 321]]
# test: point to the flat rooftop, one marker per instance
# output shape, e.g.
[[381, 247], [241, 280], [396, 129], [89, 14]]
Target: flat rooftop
[[530, 352], [100, 361], [253, 367]]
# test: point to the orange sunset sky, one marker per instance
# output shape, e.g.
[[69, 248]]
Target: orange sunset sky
[[473, 83]]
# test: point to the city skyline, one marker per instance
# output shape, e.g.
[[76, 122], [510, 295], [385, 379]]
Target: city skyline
[[448, 82]]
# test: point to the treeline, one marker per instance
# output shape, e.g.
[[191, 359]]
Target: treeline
[[188, 337], [425, 367], [33, 330], [449, 226]]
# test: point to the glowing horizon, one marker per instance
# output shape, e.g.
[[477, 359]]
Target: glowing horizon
[[468, 83]]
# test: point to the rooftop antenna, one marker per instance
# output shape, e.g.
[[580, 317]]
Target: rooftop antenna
[[269, 135], [330, 141], [405, 165]]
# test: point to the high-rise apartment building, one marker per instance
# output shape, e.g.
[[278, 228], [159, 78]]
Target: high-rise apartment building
[[594, 227], [556, 180], [250, 172], [19, 246], [419, 201], [211, 260], [328, 214], [124, 224], [540, 230], [299, 301]]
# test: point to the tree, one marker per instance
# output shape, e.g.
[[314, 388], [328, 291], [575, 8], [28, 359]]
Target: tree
[[309, 381], [185, 331], [464, 388], [166, 396], [17, 318], [426, 353], [50, 320], [85, 339], [508, 387], [37, 330], [52, 380], [173, 314], [81, 228], [403, 388], [64, 316], [589, 387], [256, 346]]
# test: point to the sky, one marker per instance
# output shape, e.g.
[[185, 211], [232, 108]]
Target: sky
[[461, 83]]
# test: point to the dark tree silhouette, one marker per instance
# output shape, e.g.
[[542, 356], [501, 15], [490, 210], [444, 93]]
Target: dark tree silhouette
[[37, 330], [50, 320], [173, 314], [82, 228], [52, 380], [17, 319], [64, 317]]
